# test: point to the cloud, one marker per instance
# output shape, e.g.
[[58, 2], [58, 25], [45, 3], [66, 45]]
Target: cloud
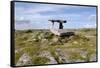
[[39, 11], [29, 9], [38, 8], [39, 14], [92, 17], [89, 26], [21, 20]]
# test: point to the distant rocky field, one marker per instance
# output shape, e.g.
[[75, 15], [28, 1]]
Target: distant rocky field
[[38, 47]]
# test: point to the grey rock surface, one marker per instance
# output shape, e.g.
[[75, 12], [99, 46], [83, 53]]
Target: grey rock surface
[[25, 59], [61, 56], [49, 56]]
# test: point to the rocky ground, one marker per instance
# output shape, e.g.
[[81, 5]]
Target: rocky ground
[[37, 47]]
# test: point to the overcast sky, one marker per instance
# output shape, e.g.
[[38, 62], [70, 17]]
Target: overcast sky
[[36, 16]]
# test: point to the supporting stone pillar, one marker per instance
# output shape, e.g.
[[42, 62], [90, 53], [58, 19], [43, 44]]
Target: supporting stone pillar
[[52, 24], [60, 25]]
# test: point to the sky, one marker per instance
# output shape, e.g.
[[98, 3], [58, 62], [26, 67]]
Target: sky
[[36, 16]]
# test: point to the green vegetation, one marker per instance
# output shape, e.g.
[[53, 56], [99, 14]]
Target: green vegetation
[[17, 56], [75, 56], [39, 60], [80, 46], [29, 31]]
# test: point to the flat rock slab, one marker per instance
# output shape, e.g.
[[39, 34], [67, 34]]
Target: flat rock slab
[[25, 59], [61, 56], [49, 56]]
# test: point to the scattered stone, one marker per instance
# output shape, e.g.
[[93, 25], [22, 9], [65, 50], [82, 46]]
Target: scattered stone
[[16, 51], [83, 54], [44, 43], [79, 60], [55, 39], [41, 36], [93, 57], [43, 40], [34, 39], [25, 59], [46, 38], [75, 42]]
